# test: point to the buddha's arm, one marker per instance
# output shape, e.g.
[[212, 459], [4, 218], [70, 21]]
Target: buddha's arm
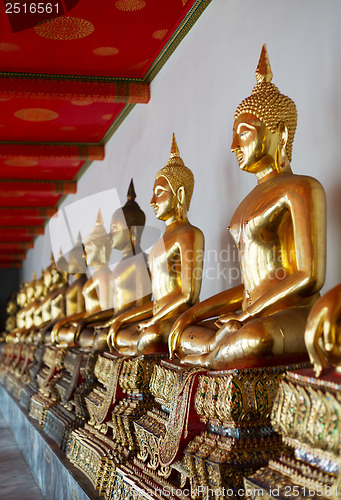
[[143, 285], [308, 212], [104, 291], [191, 266], [221, 303], [138, 313], [322, 332], [100, 316], [64, 321]]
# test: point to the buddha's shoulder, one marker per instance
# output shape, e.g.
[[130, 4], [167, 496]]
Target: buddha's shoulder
[[188, 230], [301, 181]]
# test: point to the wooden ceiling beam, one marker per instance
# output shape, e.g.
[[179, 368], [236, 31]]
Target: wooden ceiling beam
[[16, 246], [9, 257], [10, 265], [32, 213], [6, 231], [21, 188], [76, 152], [68, 89]]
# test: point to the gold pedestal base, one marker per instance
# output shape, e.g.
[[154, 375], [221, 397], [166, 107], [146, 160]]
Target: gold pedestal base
[[39, 406], [209, 429], [307, 412], [108, 439]]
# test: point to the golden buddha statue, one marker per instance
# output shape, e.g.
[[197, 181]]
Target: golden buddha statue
[[96, 291], [14, 334], [39, 294], [74, 300], [30, 294], [50, 307], [323, 332], [279, 229], [175, 264], [129, 281], [11, 309], [24, 317]]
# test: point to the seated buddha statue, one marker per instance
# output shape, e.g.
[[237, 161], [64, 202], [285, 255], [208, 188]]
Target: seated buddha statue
[[129, 281], [50, 308], [77, 269], [323, 332], [11, 309], [21, 300], [39, 294], [279, 229], [96, 290], [175, 264], [26, 296], [34, 312]]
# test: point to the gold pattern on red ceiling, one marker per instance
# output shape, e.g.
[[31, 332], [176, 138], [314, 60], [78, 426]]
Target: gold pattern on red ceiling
[[66, 83]]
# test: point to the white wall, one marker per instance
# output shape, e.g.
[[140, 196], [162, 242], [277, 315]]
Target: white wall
[[195, 95]]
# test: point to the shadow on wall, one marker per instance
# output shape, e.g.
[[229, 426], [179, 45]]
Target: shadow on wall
[[9, 281]]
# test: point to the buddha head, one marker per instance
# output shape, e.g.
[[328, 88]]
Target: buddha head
[[39, 288], [98, 245], [30, 290], [76, 258], [60, 271], [127, 223], [21, 295], [48, 273], [11, 304], [173, 188], [265, 124]]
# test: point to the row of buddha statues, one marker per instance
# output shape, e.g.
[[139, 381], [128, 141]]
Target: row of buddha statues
[[142, 384]]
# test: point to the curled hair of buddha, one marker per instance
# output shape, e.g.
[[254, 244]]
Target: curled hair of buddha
[[177, 174], [268, 104], [100, 237]]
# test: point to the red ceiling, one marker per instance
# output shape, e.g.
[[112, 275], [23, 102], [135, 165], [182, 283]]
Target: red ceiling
[[65, 85]]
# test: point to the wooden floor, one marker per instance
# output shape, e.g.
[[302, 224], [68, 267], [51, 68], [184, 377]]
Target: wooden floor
[[16, 480]]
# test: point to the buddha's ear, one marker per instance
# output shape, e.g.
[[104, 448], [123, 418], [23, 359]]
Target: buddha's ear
[[281, 155], [180, 194], [133, 233], [102, 255], [283, 134], [182, 208]]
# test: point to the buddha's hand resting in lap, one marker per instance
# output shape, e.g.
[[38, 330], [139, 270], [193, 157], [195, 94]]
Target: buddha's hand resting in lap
[[184, 320], [229, 323], [145, 324], [112, 334], [323, 332]]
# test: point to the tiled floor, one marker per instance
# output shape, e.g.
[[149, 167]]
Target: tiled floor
[[16, 480]]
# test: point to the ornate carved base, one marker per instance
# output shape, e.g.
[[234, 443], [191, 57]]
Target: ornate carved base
[[63, 418], [14, 385], [307, 412], [39, 406], [25, 396], [59, 423], [109, 439], [233, 405]]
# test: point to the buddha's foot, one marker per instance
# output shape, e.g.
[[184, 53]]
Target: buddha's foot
[[203, 360], [127, 351]]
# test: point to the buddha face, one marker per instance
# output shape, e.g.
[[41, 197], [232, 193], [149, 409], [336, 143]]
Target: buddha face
[[47, 278], [91, 253], [119, 233], [164, 201], [39, 288], [253, 143]]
